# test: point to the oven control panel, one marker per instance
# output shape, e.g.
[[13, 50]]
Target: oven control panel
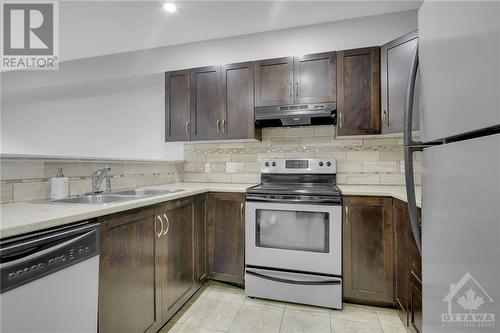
[[301, 165]]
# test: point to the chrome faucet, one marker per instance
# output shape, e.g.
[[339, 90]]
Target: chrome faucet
[[98, 177]]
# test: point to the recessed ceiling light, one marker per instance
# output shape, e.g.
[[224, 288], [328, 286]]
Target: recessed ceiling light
[[169, 7]]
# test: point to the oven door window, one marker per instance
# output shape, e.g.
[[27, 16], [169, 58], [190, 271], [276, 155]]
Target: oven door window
[[292, 230]]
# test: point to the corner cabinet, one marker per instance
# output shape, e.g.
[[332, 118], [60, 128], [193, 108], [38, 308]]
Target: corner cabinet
[[396, 59], [358, 91], [210, 103], [226, 237], [296, 80], [368, 251], [129, 275]]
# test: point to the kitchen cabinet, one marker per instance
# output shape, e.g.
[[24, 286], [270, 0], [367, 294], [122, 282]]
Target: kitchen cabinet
[[400, 216], [274, 81], [175, 259], [128, 274], [200, 239], [177, 105], [395, 65], [315, 78], [226, 237], [408, 268], [296, 80], [358, 91], [206, 110], [368, 251], [238, 114]]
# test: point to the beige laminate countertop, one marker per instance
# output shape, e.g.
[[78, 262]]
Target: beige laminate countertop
[[23, 217]]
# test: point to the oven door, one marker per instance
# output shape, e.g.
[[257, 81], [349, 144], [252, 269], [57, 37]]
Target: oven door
[[299, 237]]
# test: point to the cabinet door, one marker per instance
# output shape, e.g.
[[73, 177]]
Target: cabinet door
[[400, 217], [238, 102], [358, 91], [206, 115], [177, 106], [274, 81], [226, 240], [395, 62], [368, 249], [200, 239], [178, 235], [315, 78], [128, 283], [415, 303]]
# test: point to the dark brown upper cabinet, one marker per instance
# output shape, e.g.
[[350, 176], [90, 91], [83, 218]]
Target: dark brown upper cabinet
[[315, 79], [206, 110], [177, 105], [368, 251], [395, 65], [274, 81], [294, 80], [358, 91], [238, 114]]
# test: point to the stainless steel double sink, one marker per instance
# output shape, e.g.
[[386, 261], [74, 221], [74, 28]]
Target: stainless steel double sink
[[112, 197]]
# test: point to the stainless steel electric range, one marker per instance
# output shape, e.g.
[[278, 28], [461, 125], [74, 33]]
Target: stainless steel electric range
[[293, 233]]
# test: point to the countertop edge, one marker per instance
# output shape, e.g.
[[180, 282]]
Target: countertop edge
[[191, 189]]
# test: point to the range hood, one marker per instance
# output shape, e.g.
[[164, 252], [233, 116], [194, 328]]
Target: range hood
[[294, 115]]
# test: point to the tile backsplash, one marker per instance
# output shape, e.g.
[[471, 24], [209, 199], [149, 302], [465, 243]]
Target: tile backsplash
[[29, 179], [374, 161]]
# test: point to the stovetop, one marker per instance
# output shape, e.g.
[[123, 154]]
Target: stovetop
[[295, 188]]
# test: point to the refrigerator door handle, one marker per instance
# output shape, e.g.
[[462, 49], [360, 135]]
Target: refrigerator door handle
[[411, 147]]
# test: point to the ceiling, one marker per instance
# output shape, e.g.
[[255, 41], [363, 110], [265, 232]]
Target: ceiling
[[93, 28]]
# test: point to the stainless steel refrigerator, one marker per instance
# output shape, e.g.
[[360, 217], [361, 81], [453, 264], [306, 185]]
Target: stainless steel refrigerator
[[458, 61]]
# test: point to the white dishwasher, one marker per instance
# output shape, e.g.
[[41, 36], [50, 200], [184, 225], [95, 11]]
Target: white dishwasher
[[49, 281]]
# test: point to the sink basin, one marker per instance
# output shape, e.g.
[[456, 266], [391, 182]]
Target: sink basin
[[139, 192], [94, 199]]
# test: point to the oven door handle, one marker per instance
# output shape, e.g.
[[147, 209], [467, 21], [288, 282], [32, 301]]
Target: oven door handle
[[309, 283], [293, 200]]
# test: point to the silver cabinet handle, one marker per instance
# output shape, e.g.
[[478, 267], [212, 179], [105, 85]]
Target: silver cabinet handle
[[241, 211], [188, 128], [217, 124], [296, 89], [168, 224], [224, 127], [346, 215], [161, 231], [384, 118], [340, 119], [290, 89]]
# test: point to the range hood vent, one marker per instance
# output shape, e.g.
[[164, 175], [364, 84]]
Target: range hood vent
[[294, 115]]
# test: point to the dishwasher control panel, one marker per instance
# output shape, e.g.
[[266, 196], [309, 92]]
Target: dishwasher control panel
[[34, 258]]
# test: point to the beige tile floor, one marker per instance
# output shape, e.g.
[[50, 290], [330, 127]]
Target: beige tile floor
[[218, 307]]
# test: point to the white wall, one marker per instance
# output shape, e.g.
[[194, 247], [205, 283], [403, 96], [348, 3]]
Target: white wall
[[112, 106]]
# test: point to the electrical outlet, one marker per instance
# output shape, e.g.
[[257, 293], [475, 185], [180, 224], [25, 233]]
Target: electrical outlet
[[207, 167], [230, 167], [402, 166]]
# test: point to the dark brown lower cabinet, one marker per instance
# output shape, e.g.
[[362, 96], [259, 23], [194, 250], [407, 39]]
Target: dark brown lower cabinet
[[200, 236], [175, 259], [415, 302], [226, 237], [129, 278], [400, 216], [408, 269], [368, 251]]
